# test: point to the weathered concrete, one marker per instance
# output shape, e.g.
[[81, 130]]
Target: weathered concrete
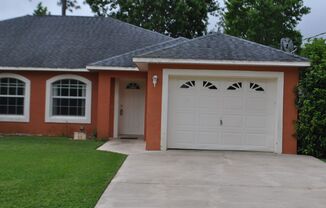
[[124, 146], [217, 179]]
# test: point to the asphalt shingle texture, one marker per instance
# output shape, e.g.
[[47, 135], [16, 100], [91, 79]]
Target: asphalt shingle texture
[[125, 60], [68, 42], [223, 47]]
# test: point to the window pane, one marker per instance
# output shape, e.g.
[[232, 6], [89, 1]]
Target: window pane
[[70, 98], [12, 105]]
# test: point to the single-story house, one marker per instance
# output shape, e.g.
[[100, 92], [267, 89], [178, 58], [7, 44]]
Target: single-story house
[[62, 74]]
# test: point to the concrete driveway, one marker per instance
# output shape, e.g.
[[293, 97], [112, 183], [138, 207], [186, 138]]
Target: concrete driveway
[[217, 179]]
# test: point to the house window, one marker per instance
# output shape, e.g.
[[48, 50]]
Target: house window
[[132, 86], [14, 98], [68, 99]]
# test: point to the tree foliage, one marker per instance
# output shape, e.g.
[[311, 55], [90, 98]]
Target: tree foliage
[[266, 21], [41, 10], [171, 17], [311, 125], [69, 5]]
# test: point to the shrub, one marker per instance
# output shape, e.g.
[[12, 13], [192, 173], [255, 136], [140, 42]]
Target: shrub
[[311, 125]]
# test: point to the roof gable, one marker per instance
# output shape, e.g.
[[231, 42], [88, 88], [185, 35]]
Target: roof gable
[[68, 42], [221, 47]]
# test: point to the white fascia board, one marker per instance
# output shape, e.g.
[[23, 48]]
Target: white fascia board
[[42, 69], [221, 62], [113, 68]]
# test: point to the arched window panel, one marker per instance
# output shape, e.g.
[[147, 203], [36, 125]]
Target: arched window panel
[[188, 84], [256, 87], [12, 96], [68, 98], [209, 85], [133, 86], [235, 86]]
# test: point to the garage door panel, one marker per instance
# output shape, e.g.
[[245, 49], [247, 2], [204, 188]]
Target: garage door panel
[[235, 121], [207, 137], [236, 114], [256, 122], [232, 102], [184, 119], [208, 121], [183, 137], [233, 139]]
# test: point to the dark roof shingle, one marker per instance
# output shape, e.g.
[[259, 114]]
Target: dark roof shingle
[[68, 42], [125, 60], [223, 47]]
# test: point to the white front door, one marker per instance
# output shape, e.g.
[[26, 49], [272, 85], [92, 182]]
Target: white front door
[[132, 107], [225, 114]]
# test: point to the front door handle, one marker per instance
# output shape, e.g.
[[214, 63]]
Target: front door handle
[[221, 122]]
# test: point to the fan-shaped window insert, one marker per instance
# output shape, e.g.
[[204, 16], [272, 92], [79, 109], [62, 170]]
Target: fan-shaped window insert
[[188, 84], [133, 86], [256, 87], [235, 86], [209, 85]]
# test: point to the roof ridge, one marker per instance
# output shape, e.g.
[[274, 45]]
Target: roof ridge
[[98, 17], [186, 41], [262, 45], [139, 49], [170, 46]]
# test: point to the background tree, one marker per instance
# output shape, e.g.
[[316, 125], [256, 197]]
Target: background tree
[[41, 10], [69, 5], [311, 124], [171, 17], [265, 22]]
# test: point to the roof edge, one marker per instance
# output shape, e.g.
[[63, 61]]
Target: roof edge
[[9, 68], [223, 62], [112, 68]]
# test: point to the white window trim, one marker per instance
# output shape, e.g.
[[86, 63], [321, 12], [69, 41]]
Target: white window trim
[[19, 118], [279, 76], [49, 118]]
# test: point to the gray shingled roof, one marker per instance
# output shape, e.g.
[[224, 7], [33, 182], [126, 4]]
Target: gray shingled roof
[[125, 60], [223, 47], [68, 42]]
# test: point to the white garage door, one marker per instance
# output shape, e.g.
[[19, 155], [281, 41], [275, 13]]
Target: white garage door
[[224, 114]]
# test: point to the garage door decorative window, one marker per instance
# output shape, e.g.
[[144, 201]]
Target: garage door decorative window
[[235, 86], [256, 87], [209, 85], [188, 84]]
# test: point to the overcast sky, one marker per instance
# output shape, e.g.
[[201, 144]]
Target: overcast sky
[[312, 24]]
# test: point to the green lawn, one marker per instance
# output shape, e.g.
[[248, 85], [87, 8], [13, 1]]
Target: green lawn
[[54, 172], [323, 160]]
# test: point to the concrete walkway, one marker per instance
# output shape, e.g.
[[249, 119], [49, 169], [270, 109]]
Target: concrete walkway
[[217, 179]]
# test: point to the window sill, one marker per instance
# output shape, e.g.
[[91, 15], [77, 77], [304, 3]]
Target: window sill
[[68, 119], [13, 118]]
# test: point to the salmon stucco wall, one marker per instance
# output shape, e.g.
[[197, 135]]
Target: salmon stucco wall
[[154, 101], [102, 112], [37, 124]]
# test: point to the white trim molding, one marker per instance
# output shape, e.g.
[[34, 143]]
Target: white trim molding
[[26, 116], [222, 62], [113, 68], [42, 69], [279, 76], [49, 118]]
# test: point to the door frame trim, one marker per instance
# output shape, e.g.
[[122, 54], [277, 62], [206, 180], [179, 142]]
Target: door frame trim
[[279, 76]]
